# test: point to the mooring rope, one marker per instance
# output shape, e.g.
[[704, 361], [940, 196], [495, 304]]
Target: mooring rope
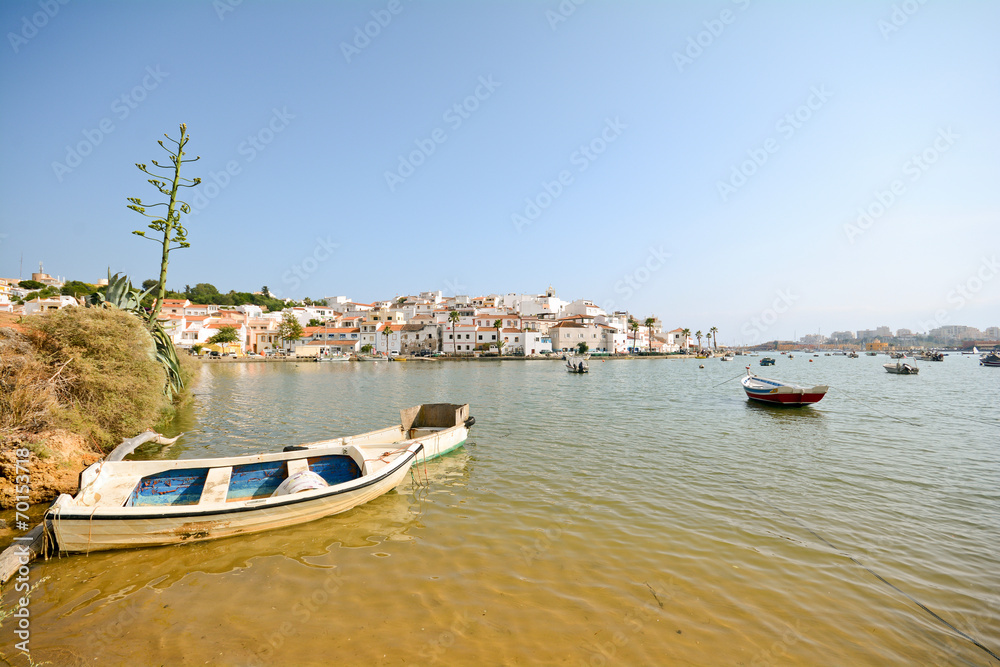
[[885, 581]]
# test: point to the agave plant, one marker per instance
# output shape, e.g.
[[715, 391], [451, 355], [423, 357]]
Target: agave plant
[[122, 295]]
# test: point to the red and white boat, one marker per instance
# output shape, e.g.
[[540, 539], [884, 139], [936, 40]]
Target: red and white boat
[[780, 393]]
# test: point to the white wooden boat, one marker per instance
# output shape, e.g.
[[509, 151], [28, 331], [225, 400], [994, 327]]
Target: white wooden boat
[[577, 364], [901, 368], [333, 357], [126, 504]]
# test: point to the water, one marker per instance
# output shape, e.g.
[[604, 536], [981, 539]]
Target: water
[[641, 514]]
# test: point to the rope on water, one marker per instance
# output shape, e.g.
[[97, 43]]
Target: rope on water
[[885, 581]]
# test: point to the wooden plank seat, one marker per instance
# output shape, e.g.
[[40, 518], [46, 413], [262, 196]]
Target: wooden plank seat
[[216, 485]]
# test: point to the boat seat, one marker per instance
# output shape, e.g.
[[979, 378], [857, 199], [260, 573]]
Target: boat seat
[[297, 465], [115, 495], [216, 485]]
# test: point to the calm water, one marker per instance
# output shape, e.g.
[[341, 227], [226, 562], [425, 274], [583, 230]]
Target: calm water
[[637, 515]]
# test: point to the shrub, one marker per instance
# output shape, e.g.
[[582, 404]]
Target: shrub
[[104, 372]]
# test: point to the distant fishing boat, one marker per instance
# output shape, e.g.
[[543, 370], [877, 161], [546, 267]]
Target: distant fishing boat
[[776, 392], [577, 364], [897, 355], [767, 361], [125, 504], [872, 354], [852, 355], [901, 368], [931, 355], [991, 359], [728, 356], [333, 357]]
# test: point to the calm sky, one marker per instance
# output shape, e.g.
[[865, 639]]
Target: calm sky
[[769, 168]]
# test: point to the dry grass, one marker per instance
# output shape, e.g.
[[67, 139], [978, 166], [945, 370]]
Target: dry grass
[[90, 370]]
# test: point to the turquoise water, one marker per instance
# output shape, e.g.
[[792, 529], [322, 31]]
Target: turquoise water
[[645, 513]]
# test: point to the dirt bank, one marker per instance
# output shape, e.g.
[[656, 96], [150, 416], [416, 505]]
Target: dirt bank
[[55, 459]]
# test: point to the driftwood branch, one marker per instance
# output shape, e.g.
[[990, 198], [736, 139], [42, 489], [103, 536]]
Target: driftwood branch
[[24, 550], [129, 444]]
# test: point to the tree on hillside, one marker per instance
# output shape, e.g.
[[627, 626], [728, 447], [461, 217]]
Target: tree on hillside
[[453, 317], [314, 323], [498, 324], [289, 328], [170, 224], [715, 337], [650, 321], [387, 331], [31, 284], [226, 335], [266, 293], [634, 326]]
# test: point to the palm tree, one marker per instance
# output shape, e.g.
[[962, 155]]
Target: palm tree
[[697, 334], [634, 326], [650, 321], [687, 334], [453, 317], [387, 331], [715, 337], [497, 324]]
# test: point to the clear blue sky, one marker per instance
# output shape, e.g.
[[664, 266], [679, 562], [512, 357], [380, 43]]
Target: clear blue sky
[[664, 122]]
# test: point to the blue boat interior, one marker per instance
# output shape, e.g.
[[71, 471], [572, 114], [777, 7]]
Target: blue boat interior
[[246, 482], [255, 480], [170, 487]]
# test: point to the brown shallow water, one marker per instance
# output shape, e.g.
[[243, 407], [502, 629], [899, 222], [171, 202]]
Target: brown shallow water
[[636, 515]]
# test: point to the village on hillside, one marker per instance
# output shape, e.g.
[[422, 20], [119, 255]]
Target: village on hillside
[[432, 323]]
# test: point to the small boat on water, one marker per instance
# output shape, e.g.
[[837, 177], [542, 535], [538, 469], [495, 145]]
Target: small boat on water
[[991, 359], [852, 355], [126, 504], [728, 356], [776, 392], [897, 355], [901, 368], [931, 355], [577, 364], [872, 354], [767, 361], [333, 357]]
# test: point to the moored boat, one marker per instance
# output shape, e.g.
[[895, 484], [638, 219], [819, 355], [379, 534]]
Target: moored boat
[[767, 361], [852, 355], [126, 504], [931, 355], [577, 364], [776, 392], [901, 368], [991, 359]]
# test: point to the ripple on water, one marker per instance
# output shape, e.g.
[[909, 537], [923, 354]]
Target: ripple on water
[[643, 514]]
